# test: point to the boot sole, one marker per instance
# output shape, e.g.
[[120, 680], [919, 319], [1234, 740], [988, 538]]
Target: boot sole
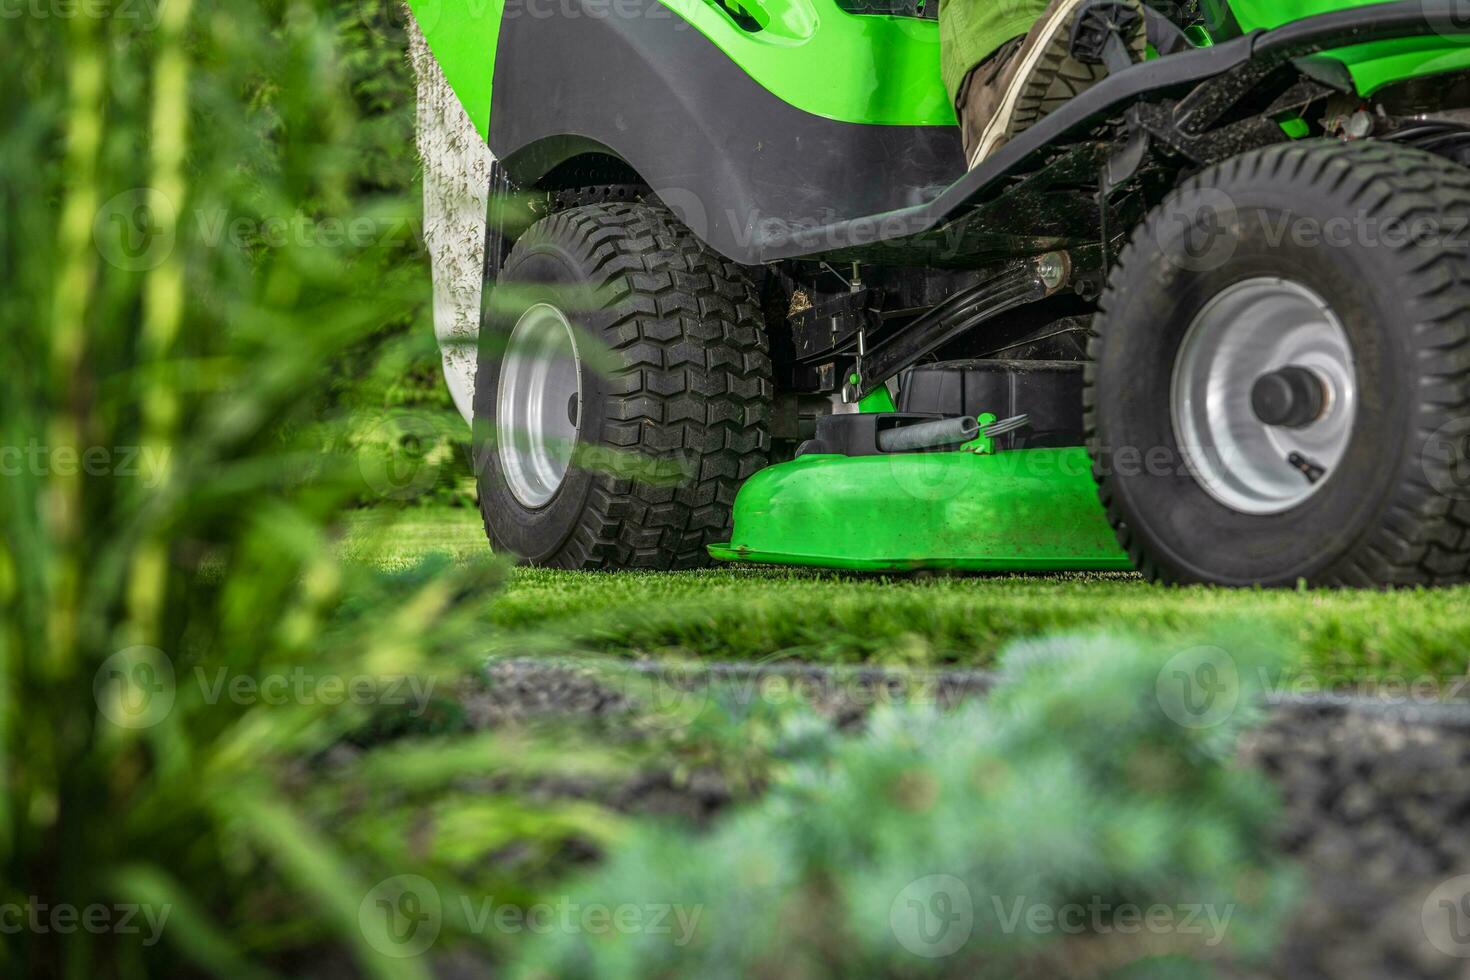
[[1047, 78]]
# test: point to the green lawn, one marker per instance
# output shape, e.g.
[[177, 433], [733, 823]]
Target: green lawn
[[757, 614]]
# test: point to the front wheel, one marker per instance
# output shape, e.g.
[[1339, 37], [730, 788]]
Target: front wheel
[[623, 393], [1280, 380]]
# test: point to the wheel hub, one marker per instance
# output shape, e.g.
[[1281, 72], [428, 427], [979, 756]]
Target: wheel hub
[[538, 410], [1265, 395], [1291, 398]]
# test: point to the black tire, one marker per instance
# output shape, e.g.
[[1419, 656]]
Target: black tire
[[1391, 513], [685, 384]]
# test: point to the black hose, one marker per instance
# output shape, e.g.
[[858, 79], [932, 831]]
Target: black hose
[[929, 435]]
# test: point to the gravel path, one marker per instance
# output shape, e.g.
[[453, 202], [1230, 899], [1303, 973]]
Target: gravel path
[[1377, 809]]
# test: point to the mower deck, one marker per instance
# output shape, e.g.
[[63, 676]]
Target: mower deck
[[1030, 510]]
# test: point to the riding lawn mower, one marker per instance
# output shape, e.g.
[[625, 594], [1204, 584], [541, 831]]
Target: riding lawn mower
[[1209, 320]]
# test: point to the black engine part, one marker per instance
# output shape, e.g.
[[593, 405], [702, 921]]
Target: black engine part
[[859, 434], [1050, 392]]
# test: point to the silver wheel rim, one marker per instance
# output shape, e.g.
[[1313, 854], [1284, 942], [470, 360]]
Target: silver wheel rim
[[1250, 330], [538, 411]]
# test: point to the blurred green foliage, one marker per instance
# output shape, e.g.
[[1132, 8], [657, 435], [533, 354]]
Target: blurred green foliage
[[397, 374], [208, 243], [1029, 836]]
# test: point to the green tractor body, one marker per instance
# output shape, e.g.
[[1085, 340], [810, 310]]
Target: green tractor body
[[862, 67], [1372, 65], [805, 153]]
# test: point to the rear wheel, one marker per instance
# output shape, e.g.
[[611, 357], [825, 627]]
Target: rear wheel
[[624, 393], [1280, 386]]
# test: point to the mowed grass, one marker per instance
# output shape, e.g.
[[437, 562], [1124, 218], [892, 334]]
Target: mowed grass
[[764, 614]]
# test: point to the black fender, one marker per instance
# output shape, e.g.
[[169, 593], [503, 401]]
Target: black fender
[[737, 163]]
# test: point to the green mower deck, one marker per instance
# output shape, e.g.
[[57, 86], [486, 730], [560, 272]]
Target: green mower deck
[[1025, 511]]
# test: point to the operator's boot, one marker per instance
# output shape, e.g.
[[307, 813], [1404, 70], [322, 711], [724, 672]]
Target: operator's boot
[[1033, 76]]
